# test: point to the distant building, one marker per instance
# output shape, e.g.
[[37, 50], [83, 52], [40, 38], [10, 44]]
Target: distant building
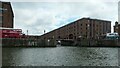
[[116, 27], [82, 28], [6, 15], [119, 29]]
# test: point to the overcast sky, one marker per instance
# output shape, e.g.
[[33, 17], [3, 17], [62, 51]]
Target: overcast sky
[[37, 16]]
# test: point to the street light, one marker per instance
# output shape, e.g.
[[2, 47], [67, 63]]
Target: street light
[[27, 33], [80, 39], [44, 31]]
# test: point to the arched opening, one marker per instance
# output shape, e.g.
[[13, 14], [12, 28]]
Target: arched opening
[[59, 37], [70, 36]]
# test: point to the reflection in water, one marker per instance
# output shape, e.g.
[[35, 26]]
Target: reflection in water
[[60, 56]]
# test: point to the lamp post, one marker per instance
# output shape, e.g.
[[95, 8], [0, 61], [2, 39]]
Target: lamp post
[[80, 39], [44, 31], [27, 33]]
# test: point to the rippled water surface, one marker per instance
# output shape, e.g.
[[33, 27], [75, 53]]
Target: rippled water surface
[[60, 56]]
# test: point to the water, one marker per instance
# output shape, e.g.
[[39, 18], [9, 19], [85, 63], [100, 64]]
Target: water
[[60, 56]]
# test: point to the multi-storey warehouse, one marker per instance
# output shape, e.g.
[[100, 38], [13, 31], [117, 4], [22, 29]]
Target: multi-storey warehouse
[[6, 15], [82, 28]]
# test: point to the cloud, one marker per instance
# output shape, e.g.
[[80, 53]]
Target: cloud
[[39, 16]]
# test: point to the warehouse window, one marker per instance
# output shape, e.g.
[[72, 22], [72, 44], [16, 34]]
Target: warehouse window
[[0, 18], [59, 37], [74, 37], [81, 32], [86, 33], [0, 10], [81, 24]]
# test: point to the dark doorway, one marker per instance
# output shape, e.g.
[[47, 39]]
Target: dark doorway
[[59, 37], [70, 36]]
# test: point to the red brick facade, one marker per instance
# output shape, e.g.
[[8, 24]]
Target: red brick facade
[[119, 29], [85, 27], [6, 15]]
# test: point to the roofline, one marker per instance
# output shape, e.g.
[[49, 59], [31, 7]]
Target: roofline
[[7, 28], [74, 22], [82, 19], [95, 19]]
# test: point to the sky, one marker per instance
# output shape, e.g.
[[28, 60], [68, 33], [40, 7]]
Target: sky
[[37, 16]]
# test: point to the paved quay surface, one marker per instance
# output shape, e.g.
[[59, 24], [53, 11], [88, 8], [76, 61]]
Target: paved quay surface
[[60, 56]]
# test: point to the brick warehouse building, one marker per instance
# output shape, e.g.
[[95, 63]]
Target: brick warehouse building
[[85, 27], [6, 15], [119, 29]]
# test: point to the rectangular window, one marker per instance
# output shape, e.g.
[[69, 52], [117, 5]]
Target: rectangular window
[[0, 11], [81, 24], [86, 33], [0, 18], [81, 32], [74, 26]]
